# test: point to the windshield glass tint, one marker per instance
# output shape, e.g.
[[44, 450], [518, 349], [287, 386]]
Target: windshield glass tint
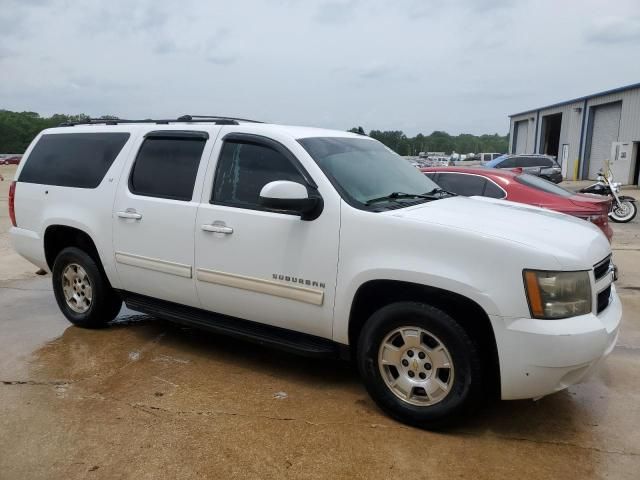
[[364, 169], [544, 185], [495, 161]]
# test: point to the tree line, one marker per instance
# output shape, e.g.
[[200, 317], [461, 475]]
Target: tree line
[[17, 129], [438, 142]]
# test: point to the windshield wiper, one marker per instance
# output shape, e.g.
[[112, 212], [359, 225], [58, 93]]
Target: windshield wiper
[[399, 195], [441, 190]]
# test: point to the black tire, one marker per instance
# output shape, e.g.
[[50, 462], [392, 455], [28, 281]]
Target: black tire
[[632, 211], [105, 302], [465, 390]]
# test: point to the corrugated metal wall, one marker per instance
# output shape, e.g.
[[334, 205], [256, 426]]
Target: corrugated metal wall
[[572, 125]]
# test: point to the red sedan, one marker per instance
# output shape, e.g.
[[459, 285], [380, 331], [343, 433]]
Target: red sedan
[[517, 186], [15, 160]]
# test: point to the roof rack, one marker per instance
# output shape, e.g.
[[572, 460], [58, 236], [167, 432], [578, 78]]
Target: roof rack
[[218, 120]]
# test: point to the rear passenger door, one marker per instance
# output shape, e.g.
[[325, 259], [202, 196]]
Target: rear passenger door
[[154, 214]]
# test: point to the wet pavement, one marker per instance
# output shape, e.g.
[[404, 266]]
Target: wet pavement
[[148, 399]]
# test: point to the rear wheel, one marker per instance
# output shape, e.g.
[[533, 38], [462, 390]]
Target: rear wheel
[[82, 291], [418, 364]]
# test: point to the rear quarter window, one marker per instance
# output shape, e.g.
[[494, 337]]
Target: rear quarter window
[[78, 160]]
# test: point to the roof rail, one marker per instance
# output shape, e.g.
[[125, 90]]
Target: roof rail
[[186, 117], [218, 120]]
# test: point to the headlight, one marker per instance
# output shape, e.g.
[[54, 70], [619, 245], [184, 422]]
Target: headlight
[[553, 295]]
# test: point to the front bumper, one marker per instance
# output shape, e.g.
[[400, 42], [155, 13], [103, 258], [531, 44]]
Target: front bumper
[[539, 357]]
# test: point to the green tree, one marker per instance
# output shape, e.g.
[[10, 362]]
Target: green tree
[[439, 141], [18, 129]]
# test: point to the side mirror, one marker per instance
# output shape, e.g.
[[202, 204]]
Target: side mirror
[[291, 197]]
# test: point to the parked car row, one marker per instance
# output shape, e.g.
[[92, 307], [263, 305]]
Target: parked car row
[[477, 159], [12, 160], [544, 166], [525, 188]]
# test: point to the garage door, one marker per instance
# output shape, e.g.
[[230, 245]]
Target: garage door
[[606, 124], [522, 134]]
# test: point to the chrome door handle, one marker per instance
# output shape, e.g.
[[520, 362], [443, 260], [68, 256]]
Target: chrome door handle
[[129, 213], [216, 228]]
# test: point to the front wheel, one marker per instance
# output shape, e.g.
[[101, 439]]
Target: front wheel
[[418, 364], [82, 291], [623, 212]]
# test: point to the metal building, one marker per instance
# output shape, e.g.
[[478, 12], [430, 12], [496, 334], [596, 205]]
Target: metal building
[[585, 132]]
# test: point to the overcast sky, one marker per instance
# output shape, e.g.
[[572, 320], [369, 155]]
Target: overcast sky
[[415, 65]]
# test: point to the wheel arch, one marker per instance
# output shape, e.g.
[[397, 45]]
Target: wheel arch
[[57, 237], [374, 294]]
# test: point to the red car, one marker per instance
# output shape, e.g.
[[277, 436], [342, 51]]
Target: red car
[[15, 160], [516, 186]]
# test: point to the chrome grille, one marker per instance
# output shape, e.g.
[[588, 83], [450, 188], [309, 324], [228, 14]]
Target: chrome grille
[[601, 268]]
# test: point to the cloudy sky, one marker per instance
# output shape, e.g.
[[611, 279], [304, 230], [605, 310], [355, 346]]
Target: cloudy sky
[[415, 65]]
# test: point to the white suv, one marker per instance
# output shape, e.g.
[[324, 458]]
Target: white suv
[[320, 242]]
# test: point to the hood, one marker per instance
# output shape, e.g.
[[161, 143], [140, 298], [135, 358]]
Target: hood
[[575, 243]]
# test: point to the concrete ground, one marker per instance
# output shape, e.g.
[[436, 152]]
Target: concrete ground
[[146, 399]]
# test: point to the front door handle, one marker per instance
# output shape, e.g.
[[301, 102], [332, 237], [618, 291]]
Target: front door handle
[[217, 228], [129, 213]]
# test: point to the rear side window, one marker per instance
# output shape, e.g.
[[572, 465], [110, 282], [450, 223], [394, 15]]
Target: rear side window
[[244, 168], [544, 185], [528, 162], [78, 160], [166, 167], [492, 190], [461, 183]]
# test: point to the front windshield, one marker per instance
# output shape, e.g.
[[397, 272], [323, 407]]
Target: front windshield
[[495, 161], [544, 185], [364, 169]]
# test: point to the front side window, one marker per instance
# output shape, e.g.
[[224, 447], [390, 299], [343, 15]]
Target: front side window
[[244, 168], [363, 169], [166, 167]]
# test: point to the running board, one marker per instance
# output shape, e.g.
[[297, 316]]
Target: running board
[[280, 338]]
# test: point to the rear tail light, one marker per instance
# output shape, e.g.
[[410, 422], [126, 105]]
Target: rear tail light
[[12, 203]]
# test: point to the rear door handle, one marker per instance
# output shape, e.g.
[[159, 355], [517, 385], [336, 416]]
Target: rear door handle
[[217, 228], [129, 213]]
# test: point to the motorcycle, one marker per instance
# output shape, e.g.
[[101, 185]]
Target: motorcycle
[[623, 207]]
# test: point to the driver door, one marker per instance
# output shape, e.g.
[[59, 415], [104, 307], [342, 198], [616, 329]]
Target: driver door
[[257, 264]]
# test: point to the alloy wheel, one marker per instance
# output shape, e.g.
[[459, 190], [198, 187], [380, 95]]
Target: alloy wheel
[[416, 366]]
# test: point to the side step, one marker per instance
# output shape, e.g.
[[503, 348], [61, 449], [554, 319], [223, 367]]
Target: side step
[[283, 339]]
